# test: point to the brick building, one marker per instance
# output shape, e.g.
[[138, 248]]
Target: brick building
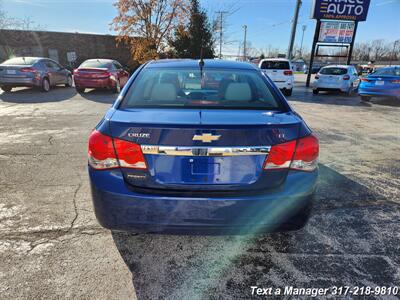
[[61, 46]]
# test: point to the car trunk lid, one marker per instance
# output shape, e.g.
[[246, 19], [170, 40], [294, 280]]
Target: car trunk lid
[[198, 150], [16, 71], [92, 73]]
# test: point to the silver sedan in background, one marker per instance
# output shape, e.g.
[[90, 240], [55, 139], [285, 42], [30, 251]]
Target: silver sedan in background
[[33, 72]]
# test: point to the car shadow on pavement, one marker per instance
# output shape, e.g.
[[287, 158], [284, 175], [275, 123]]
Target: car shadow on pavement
[[100, 96], [33, 95], [349, 240]]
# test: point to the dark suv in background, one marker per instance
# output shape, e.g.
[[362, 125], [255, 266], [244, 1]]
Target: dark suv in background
[[33, 72]]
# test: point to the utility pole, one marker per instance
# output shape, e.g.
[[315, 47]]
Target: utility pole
[[294, 26], [244, 43], [304, 27], [221, 13]]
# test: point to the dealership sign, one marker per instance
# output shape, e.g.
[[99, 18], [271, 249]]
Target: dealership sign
[[336, 32], [352, 10]]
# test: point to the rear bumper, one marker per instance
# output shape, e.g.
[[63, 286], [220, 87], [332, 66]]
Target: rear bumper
[[344, 87], [379, 93], [284, 84], [119, 208], [93, 83], [16, 82]]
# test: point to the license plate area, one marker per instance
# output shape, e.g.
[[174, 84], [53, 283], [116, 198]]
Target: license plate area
[[203, 166], [379, 82], [11, 72]]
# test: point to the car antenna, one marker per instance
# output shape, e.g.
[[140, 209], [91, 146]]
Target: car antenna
[[201, 61]]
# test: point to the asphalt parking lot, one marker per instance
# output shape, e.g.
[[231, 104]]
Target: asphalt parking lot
[[52, 247]]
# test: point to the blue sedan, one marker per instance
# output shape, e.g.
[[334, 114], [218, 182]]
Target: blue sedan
[[202, 147], [384, 82]]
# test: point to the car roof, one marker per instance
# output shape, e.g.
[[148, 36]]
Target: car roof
[[275, 59], [100, 59], [194, 63], [28, 57], [338, 66]]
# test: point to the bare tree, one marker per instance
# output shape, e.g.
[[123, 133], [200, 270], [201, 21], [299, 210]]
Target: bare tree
[[7, 22], [146, 25]]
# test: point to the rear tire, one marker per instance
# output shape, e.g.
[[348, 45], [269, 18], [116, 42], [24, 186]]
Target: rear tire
[[6, 89], [117, 88], [69, 82], [288, 92], [350, 91], [80, 90], [315, 92], [45, 85], [365, 98]]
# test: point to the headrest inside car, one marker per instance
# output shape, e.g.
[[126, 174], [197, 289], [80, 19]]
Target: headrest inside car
[[163, 92], [238, 92]]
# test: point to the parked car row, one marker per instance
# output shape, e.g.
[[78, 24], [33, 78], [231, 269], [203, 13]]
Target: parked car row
[[383, 82], [45, 73]]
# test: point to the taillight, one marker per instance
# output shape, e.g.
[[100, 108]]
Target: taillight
[[28, 70], [364, 79], [395, 81], [346, 77], [280, 156], [316, 76], [306, 155], [287, 72], [129, 154], [301, 155], [108, 153], [101, 151]]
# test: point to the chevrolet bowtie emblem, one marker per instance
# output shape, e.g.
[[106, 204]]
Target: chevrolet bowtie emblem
[[206, 137]]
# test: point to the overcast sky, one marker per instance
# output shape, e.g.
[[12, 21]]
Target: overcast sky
[[268, 21]]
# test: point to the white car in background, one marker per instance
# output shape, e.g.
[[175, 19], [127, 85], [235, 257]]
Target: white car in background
[[341, 78], [280, 72]]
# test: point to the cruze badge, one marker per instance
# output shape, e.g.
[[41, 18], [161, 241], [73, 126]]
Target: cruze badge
[[206, 137], [139, 135]]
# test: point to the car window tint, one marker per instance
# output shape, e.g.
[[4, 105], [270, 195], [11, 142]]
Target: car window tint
[[187, 88], [95, 64], [20, 61], [275, 65], [333, 71]]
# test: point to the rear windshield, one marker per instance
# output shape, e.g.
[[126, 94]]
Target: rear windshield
[[20, 61], [275, 65], [387, 72], [189, 88], [333, 71], [95, 64]]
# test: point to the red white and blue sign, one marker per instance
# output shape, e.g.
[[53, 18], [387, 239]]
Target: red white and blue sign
[[351, 10], [336, 32]]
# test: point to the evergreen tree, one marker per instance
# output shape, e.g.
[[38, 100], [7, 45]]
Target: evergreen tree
[[190, 40]]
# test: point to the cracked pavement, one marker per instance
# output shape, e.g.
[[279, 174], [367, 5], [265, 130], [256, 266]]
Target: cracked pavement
[[52, 247]]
